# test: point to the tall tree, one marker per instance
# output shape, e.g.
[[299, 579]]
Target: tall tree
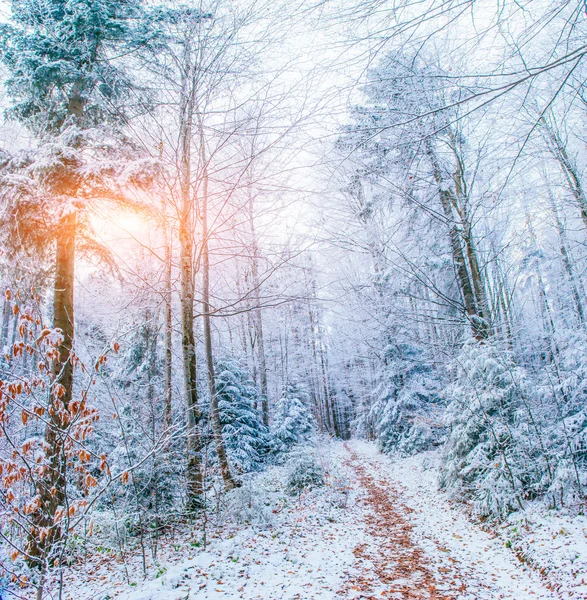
[[64, 85]]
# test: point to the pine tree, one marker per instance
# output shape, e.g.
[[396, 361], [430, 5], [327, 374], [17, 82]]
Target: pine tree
[[484, 458], [408, 403], [246, 437], [292, 420]]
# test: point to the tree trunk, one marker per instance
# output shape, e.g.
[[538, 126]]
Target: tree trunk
[[227, 478], [566, 260], [463, 278], [459, 204], [7, 311], [52, 488], [329, 400], [194, 445], [168, 335], [258, 319], [194, 473], [559, 151], [476, 276]]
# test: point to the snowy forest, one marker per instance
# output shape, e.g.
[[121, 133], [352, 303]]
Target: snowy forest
[[293, 299]]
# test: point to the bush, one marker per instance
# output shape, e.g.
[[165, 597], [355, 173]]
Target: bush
[[304, 473], [249, 505]]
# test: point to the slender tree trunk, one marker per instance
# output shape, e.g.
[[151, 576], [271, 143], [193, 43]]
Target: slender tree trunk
[[242, 324], [459, 200], [258, 318], [476, 276], [194, 444], [559, 151], [328, 398], [6, 320], [227, 478], [325, 409], [194, 473], [463, 278], [168, 402]]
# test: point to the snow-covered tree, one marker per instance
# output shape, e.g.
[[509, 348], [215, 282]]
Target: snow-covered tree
[[292, 419], [484, 457], [561, 412], [65, 88], [407, 408], [246, 437]]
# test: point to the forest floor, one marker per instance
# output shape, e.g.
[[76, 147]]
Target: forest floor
[[379, 528]]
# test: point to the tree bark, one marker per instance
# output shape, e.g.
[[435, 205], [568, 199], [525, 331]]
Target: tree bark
[[194, 445], [559, 151], [258, 319], [455, 240], [566, 260], [168, 402], [6, 320]]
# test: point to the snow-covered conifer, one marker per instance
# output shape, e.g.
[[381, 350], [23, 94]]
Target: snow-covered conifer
[[407, 409], [484, 459], [246, 438], [292, 420]]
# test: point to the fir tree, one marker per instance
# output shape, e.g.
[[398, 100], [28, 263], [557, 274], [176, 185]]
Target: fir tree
[[407, 407], [246, 437], [292, 420], [484, 458]]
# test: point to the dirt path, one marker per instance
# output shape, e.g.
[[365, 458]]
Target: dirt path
[[422, 548], [393, 566]]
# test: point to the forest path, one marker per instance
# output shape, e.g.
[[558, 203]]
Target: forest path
[[379, 528], [423, 547]]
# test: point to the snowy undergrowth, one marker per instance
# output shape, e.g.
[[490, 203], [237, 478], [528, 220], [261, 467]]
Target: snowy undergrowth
[[269, 542], [552, 544]]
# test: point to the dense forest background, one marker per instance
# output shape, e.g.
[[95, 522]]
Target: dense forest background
[[227, 227]]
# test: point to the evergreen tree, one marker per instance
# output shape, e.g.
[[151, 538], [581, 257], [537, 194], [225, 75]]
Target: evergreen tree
[[484, 458], [292, 420], [246, 437], [407, 407], [562, 392], [64, 87]]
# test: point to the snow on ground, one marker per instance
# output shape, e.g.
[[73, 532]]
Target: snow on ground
[[298, 547], [378, 529], [491, 563]]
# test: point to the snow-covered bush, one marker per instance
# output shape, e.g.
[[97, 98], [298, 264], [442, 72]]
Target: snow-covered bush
[[304, 472], [292, 420], [247, 439], [249, 505], [406, 411], [484, 457]]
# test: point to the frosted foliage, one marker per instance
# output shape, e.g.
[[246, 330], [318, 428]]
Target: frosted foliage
[[304, 472], [250, 505], [517, 435], [292, 421], [484, 457], [407, 407], [562, 411], [247, 439]]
